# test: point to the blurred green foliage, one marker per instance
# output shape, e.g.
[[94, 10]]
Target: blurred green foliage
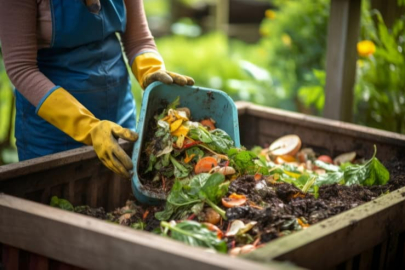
[[216, 62], [8, 152], [379, 92], [380, 87], [295, 37]]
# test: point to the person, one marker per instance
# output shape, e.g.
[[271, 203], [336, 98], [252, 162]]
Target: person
[[72, 85]]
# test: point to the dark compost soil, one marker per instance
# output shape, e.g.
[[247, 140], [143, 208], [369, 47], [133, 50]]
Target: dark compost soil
[[277, 207]]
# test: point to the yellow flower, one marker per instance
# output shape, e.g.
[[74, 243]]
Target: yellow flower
[[264, 32], [365, 48], [286, 39], [270, 14]]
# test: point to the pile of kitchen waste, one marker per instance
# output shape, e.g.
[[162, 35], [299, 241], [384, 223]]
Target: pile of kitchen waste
[[234, 200]]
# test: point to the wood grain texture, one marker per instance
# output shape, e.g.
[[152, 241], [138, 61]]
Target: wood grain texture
[[261, 125], [341, 56], [94, 244]]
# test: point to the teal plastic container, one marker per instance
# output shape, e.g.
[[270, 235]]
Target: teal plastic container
[[202, 102]]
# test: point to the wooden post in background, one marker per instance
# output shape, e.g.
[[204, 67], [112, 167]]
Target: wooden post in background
[[389, 10], [343, 31]]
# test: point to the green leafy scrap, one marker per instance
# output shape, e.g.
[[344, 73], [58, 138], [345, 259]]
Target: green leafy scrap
[[195, 234], [221, 141], [181, 170], [370, 173], [203, 188], [61, 203], [243, 160], [197, 152]]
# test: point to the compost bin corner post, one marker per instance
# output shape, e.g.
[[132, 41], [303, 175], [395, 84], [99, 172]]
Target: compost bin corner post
[[343, 32]]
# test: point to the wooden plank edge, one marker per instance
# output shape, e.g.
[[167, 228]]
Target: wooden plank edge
[[241, 106], [382, 217], [328, 125], [95, 244], [52, 161]]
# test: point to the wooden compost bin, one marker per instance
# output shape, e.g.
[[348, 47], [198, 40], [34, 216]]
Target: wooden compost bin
[[369, 235]]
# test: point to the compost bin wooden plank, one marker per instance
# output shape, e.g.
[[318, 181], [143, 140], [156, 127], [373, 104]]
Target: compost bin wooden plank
[[94, 244], [10, 257], [114, 188], [331, 126], [343, 32], [337, 137], [38, 262], [349, 264], [51, 161], [392, 250], [366, 259], [40, 180], [92, 190], [356, 230], [382, 255]]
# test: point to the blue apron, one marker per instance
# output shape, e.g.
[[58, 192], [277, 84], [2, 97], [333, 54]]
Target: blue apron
[[85, 58]]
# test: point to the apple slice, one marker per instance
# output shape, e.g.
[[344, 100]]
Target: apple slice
[[286, 145]]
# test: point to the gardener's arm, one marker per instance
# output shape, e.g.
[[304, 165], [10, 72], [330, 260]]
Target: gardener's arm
[[18, 36], [146, 63]]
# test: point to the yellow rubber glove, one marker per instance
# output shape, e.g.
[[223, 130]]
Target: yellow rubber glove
[[149, 67], [65, 112]]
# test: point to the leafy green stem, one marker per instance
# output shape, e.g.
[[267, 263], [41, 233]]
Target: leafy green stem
[[216, 208], [212, 151], [308, 184], [174, 228]]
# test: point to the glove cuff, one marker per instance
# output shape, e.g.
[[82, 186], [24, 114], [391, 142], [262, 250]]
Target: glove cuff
[[66, 113], [146, 63]]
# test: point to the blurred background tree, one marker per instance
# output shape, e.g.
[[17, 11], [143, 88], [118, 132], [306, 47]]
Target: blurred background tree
[[269, 52]]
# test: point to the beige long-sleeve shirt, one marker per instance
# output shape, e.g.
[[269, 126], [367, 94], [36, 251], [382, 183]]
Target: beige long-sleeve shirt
[[26, 27]]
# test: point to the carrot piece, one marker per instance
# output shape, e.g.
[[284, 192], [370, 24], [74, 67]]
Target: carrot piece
[[303, 225], [205, 165], [234, 200], [208, 123], [145, 214], [258, 176], [214, 228], [188, 158]]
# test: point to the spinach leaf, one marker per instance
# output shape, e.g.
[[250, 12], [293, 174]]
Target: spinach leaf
[[211, 188], [180, 170], [197, 152], [178, 197], [370, 173], [327, 166], [195, 234], [203, 188], [244, 161], [329, 178], [200, 133], [197, 182], [178, 203], [61, 203], [221, 141]]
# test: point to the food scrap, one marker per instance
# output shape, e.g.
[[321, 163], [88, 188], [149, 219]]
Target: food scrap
[[234, 200]]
